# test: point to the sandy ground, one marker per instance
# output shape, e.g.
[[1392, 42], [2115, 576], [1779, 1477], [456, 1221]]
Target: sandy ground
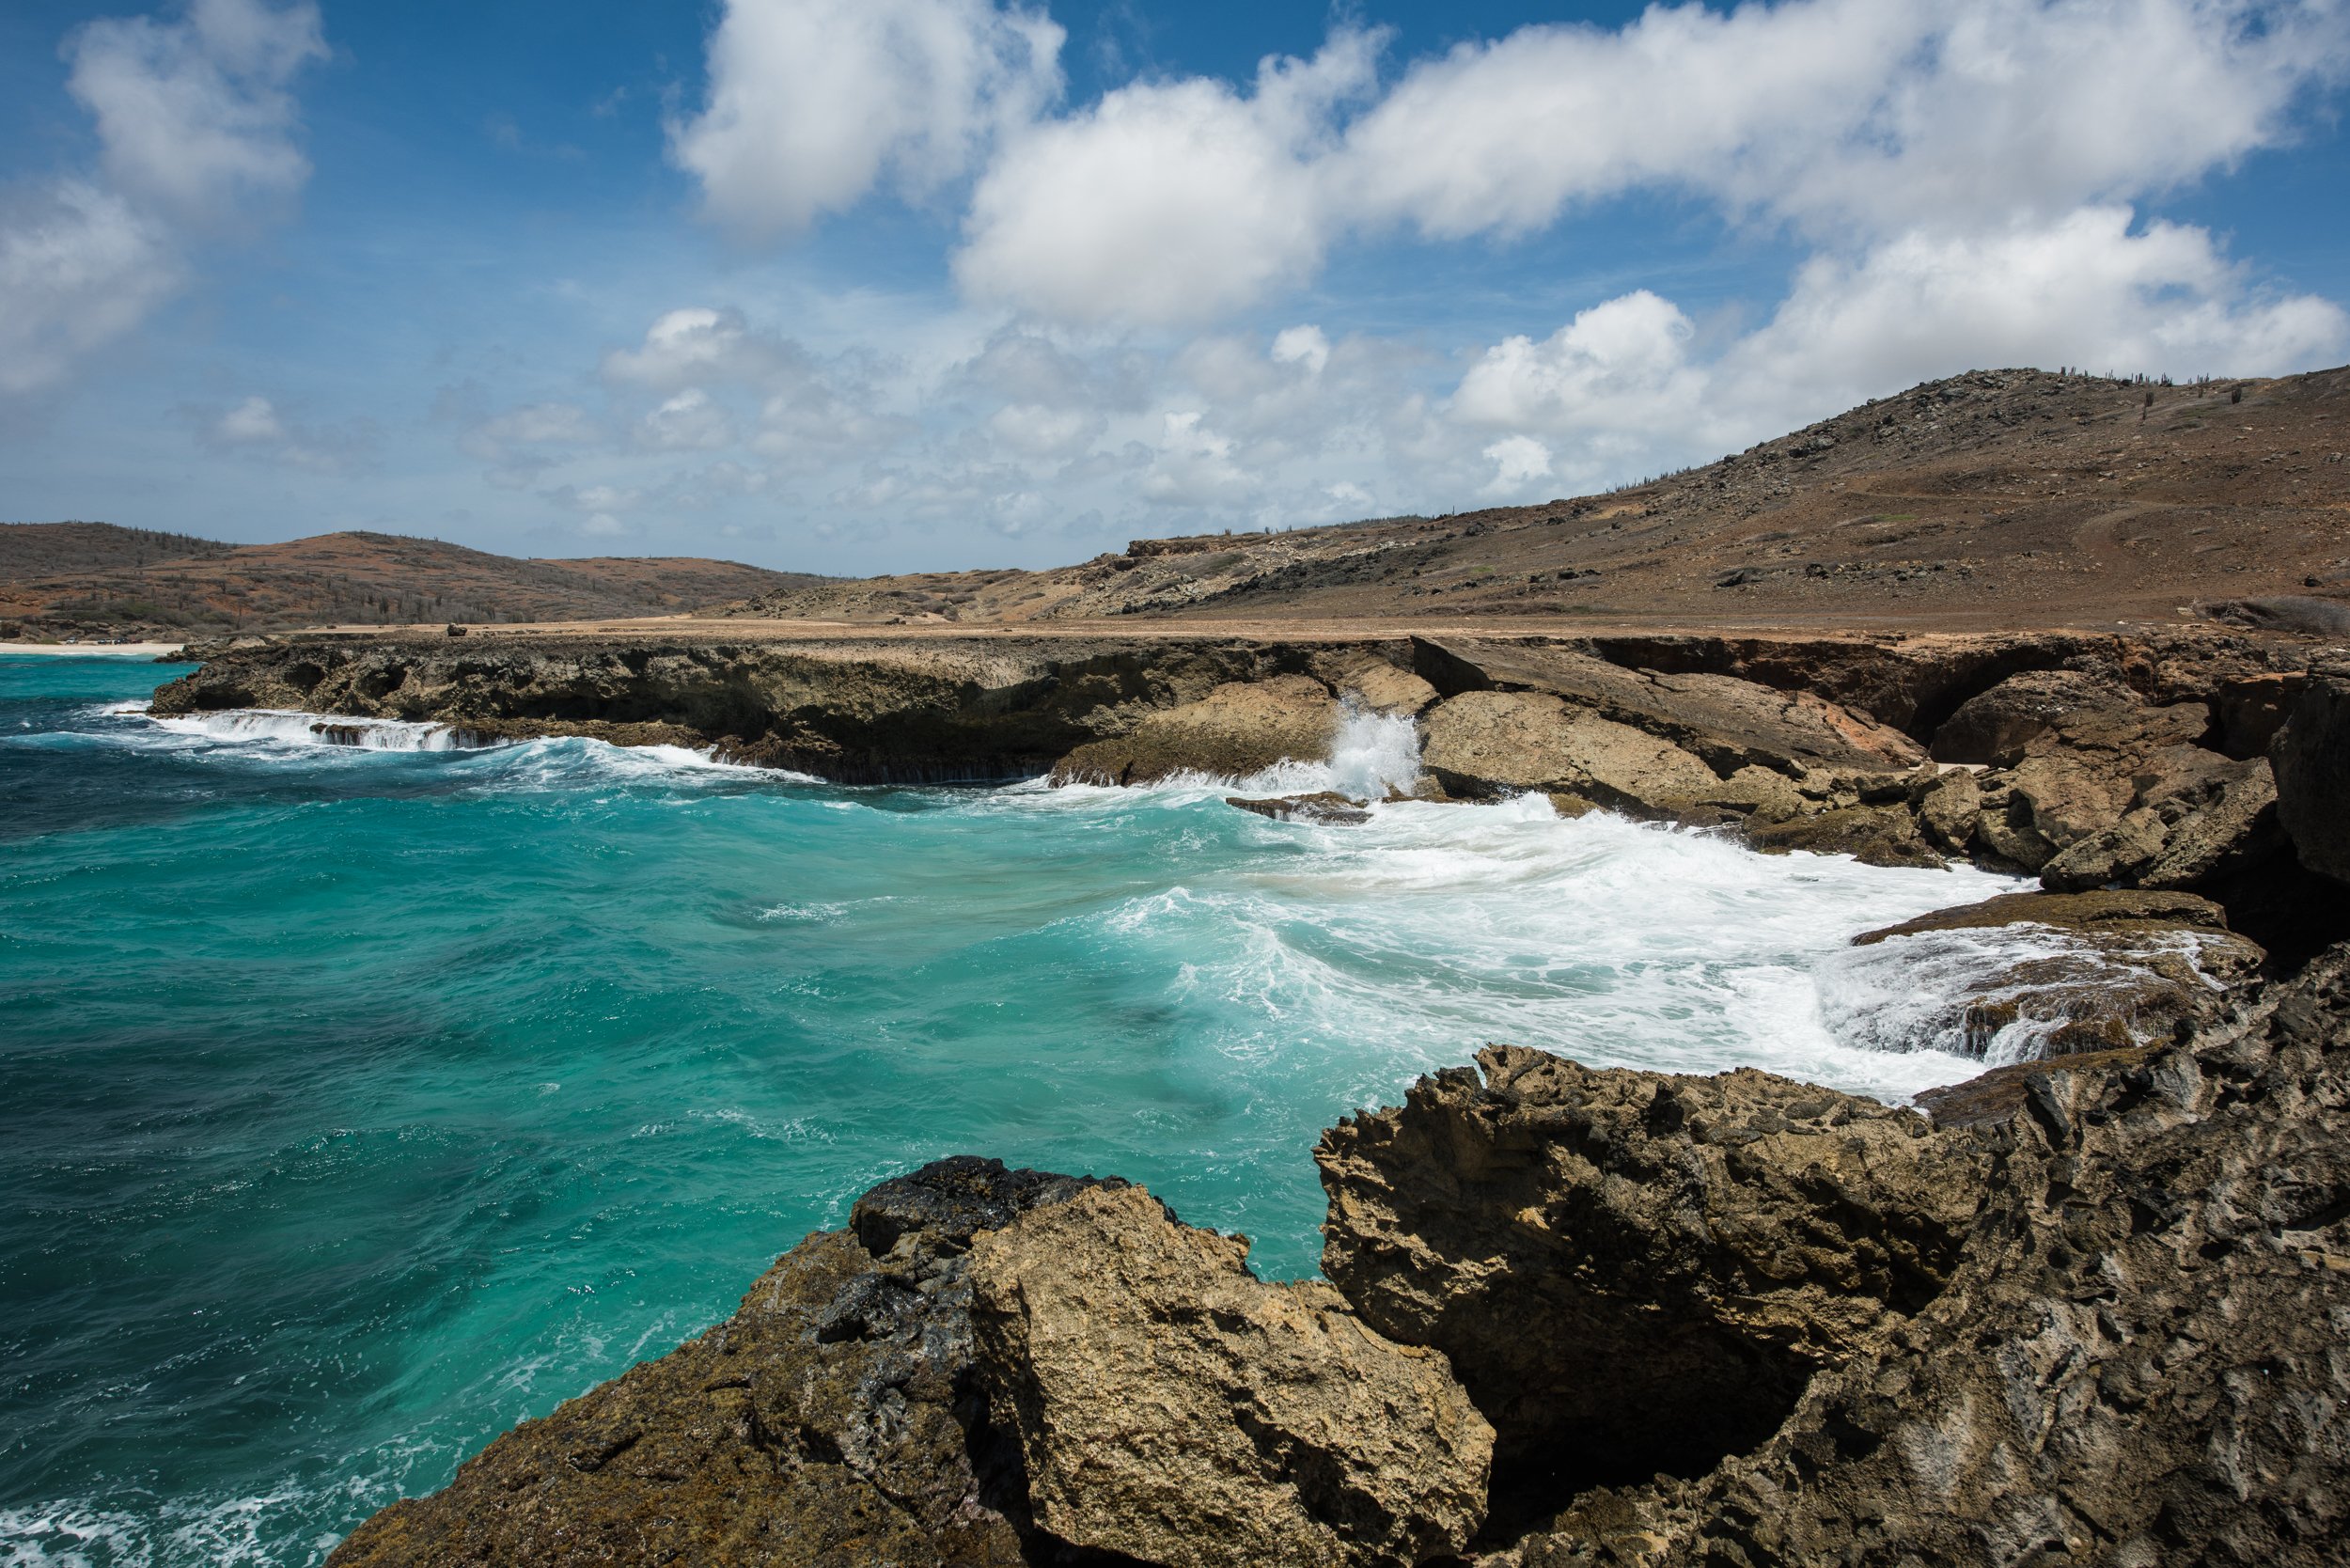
[[94, 650]]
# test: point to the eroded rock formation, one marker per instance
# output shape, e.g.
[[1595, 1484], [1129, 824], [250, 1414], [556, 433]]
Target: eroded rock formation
[[1172, 1407]]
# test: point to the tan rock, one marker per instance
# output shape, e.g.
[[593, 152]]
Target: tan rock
[[1491, 743], [1949, 808], [1172, 1407], [1377, 685], [1237, 729]]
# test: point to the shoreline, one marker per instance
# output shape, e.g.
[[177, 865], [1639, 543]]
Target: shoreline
[[153, 651]]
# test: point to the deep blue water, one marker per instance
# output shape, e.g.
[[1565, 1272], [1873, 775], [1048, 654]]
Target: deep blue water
[[357, 1103]]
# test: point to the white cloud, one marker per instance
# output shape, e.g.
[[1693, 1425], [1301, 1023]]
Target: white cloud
[[78, 268], [1847, 120], [194, 120], [1166, 202], [699, 345], [690, 420], [1518, 461], [258, 427], [813, 102], [2084, 289], [1621, 365], [1305, 346], [195, 116]]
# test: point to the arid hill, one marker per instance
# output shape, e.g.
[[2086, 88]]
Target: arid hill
[[94, 579], [2001, 498]]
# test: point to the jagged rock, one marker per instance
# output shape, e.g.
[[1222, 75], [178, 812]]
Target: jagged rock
[[1729, 722], [1636, 1272], [1325, 807], [1237, 728], [1172, 1407], [2311, 756], [829, 1421], [1949, 808], [2134, 1358]]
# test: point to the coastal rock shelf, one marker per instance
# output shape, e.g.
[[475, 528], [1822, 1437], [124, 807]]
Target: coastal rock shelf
[[2091, 1311], [2091, 761]]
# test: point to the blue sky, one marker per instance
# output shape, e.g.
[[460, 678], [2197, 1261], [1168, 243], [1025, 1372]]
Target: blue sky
[[866, 285]]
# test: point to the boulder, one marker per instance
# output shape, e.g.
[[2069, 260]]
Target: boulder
[[1173, 1408], [2312, 757], [2046, 711], [1729, 722], [1948, 809], [1488, 743], [1635, 1272], [829, 1421], [1237, 729], [1872, 835]]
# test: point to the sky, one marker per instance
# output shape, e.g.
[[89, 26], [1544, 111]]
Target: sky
[[859, 286]]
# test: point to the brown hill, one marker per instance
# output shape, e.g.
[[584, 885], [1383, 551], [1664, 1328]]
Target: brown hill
[[58, 579], [2008, 497]]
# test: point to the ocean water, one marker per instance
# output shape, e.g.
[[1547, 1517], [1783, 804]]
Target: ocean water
[[357, 1101]]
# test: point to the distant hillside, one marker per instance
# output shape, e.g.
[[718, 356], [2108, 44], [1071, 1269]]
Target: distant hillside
[[2006, 497], [60, 579]]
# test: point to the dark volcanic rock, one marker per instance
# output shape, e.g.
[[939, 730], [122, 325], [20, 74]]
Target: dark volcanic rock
[[1326, 807], [2312, 757], [831, 1419], [1633, 1272], [2095, 1314]]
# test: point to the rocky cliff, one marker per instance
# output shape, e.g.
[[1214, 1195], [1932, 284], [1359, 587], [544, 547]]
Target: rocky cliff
[[2089, 1310]]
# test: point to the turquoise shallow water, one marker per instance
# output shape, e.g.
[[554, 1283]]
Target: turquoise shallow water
[[356, 1103]]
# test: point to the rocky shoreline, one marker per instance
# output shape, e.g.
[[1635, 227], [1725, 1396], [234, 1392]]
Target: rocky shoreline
[[2088, 1309]]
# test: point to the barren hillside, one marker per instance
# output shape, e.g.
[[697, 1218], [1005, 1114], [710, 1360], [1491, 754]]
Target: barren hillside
[[2005, 497], [59, 579]]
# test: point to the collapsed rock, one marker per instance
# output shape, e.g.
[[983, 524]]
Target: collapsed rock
[[1633, 1272], [2134, 1358], [1172, 1407]]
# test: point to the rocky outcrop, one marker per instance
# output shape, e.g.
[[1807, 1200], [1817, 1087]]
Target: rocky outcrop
[[830, 1420], [2095, 1316], [1237, 729], [1631, 1272], [868, 711], [1172, 1407]]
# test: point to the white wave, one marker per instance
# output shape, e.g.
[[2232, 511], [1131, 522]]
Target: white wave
[[289, 726], [1940, 991], [1374, 753]]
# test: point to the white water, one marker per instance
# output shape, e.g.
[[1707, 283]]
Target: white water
[[287, 727]]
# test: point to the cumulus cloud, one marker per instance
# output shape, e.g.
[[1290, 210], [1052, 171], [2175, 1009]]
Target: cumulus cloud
[[813, 102], [195, 116], [1166, 202], [79, 267], [1843, 120], [194, 122]]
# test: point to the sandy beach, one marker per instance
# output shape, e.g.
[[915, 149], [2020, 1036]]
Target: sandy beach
[[96, 649]]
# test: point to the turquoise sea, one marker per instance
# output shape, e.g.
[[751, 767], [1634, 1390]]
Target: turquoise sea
[[356, 1102]]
